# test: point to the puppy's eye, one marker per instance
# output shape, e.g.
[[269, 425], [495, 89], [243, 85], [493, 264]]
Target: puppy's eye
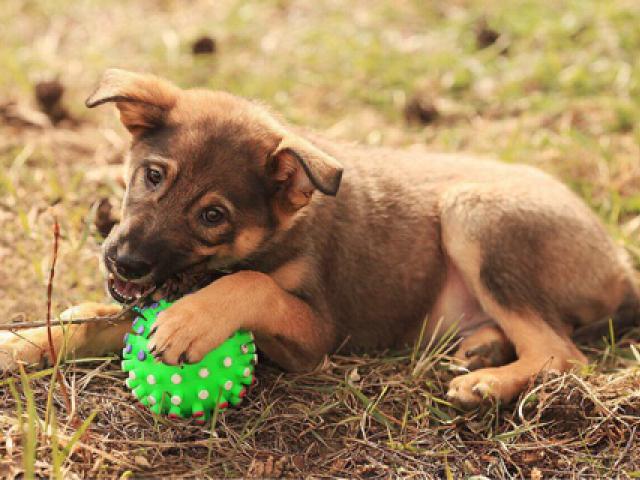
[[153, 177], [211, 216]]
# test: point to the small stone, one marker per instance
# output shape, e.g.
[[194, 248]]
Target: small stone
[[203, 394], [247, 372], [152, 399], [141, 355], [228, 385], [141, 461], [203, 373], [49, 95], [227, 362], [176, 379], [132, 375], [420, 110], [244, 348], [536, 474], [176, 400], [151, 380], [485, 35], [204, 46]]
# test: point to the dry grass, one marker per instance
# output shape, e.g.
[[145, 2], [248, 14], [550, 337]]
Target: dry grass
[[559, 89], [354, 417]]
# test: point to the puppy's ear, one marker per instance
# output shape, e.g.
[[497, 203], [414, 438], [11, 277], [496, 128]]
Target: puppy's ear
[[298, 168], [143, 100]]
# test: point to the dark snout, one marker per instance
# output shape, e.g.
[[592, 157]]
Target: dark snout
[[130, 263], [132, 266], [133, 262], [142, 258]]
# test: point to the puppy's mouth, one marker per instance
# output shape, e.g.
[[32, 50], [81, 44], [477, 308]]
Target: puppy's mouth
[[174, 287], [127, 292]]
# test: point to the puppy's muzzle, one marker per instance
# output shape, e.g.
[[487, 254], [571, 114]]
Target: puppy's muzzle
[[132, 267]]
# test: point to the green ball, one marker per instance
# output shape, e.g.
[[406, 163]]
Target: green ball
[[191, 390]]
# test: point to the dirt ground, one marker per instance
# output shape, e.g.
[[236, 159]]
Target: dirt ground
[[552, 84]]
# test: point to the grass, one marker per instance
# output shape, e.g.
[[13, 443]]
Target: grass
[[560, 89]]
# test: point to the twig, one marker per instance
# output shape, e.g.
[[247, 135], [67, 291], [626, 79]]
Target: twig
[[57, 323], [76, 321], [52, 272], [52, 348]]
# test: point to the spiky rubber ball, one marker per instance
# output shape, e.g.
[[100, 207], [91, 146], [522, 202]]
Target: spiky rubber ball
[[191, 390]]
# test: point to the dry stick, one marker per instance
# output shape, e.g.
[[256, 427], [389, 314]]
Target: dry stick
[[57, 323], [52, 348], [52, 272], [77, 321]]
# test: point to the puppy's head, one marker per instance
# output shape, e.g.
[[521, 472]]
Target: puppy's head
[[211, 178]]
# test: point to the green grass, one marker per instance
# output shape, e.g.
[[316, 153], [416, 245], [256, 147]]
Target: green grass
[[564, 96]]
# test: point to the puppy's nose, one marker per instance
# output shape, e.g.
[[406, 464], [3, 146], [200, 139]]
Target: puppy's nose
[[131, 266]]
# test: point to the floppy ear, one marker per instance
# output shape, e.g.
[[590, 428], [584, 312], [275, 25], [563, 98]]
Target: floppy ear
[[298, 168], [143, 99]]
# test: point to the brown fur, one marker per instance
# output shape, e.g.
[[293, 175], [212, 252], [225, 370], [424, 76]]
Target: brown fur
[[505, 251], [488, 346]]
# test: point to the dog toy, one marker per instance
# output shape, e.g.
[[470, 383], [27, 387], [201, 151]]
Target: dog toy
[[190, 390]]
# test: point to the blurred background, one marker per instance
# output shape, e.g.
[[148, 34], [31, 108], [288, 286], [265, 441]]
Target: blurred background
[[554, 84]]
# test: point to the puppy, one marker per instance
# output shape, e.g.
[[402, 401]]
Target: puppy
[[314, 244]]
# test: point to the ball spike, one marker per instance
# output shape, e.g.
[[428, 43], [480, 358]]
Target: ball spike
[[140, 391], [132, 383], [175, 412], [128, 365], [197, 409]]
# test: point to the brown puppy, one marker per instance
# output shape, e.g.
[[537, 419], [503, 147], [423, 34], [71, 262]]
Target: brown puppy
[[217, 183]]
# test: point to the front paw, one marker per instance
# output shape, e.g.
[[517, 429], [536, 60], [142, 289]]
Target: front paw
[[89, 310], [187, 331], [16, 350]]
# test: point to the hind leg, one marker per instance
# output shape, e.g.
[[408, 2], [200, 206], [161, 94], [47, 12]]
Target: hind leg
[[538, 347], [533, 267], [487, 346]]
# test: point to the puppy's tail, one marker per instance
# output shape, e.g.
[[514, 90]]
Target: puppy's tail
[[626, 317]]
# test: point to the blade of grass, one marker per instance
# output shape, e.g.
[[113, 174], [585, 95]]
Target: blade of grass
[[30, 434], [77, 435], [371, 407], [57, 456]]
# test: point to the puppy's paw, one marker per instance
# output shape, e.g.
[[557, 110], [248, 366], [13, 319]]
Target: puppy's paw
[[89, 310], [20, 350], [31, 346], [475, 388], [187, 331], [491, 354]]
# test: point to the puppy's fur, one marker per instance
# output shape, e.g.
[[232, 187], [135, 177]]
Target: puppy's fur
[[321, 259]]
